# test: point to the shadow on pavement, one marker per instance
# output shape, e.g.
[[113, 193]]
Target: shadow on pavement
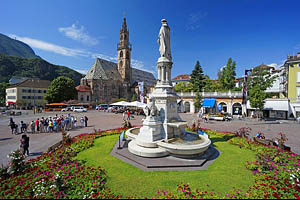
[[2, 139]]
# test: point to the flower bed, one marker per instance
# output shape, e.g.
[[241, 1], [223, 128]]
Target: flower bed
[[57, 175]]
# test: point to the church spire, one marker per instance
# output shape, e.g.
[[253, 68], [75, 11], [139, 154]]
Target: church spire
[[124, 25]]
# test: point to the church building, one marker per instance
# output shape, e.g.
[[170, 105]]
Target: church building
[[106, 81]]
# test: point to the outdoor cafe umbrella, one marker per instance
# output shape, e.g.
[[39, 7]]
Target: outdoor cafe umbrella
[[137, 104], [120, 103]]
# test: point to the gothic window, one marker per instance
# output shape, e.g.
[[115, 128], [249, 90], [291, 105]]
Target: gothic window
[[87, 98], [125, 37], [121, 54], [81, 98], [121, 63], [127, 55]]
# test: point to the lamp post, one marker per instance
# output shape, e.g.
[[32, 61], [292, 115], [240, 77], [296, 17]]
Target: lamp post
[[33, 96]]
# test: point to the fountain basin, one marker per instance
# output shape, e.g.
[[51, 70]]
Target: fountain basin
[[185, 148], [187, 145]]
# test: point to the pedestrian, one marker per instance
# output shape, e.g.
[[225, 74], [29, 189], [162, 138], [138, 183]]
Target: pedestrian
[[50, 126], [123, 117], [85, 120], [12, 125], [22, 144], [82, 121], [37, 124], [22, 127], [128, 115], [75, 122], [46, 124], [26, 147], [42, 125], [32, 126]]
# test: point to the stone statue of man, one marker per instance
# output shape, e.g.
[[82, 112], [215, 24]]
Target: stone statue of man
[[164, 40]]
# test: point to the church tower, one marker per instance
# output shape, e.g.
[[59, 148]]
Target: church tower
[[124, 54]]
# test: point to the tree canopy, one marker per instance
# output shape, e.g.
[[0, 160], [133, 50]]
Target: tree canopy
[[3, 87], [258, 81], [198, 78], [226, 75], [183, 87], [61, 89]]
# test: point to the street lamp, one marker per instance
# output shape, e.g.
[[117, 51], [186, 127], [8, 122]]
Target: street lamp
[[33, 96]]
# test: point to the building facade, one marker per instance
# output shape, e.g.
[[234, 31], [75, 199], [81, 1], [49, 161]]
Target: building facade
[[109, 81], [27, 94], [292, 65]]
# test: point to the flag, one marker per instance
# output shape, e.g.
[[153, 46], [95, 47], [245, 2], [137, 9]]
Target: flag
[[141, 91], [122, 135], [245, 88]]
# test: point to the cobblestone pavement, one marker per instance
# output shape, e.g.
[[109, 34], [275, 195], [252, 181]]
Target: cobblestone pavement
[[101, 120]]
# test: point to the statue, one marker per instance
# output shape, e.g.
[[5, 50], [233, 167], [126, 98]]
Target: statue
[[164, 40], [151, 110]]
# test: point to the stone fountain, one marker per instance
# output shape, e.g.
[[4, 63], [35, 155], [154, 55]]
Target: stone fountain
[[163, 131]]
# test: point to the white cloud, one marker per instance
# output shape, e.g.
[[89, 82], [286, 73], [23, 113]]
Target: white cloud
[[78, 34], [194, 20], [50, 47], [82, 71], [76, 52]]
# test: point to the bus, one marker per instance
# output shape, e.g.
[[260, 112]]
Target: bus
[[60, 106], [55, 106]]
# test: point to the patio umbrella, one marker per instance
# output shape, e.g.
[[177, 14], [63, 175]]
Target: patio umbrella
[[137, 104], [120, 103]]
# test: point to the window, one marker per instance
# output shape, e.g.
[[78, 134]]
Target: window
[[24, 90], [127, 55], [39, 97], [298, 93], [45, 91], [298, 77], [81, 98], [87, 98], [121, 54], [40, 91], [28, 97], [24, 97], [11, 97]]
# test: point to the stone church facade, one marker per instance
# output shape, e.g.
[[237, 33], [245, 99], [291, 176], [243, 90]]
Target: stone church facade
[[106, 81]]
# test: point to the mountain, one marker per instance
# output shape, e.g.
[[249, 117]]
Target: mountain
[[11, 47], [34, 68]]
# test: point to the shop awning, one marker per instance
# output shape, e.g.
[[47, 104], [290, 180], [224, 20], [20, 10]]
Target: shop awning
[[208, 103], [274, 104]]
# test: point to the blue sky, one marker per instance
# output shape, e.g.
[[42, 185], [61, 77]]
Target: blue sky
[[73, 33]]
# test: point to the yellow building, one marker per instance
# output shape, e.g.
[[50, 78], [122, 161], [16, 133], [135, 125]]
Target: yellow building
[[293, 65], [27, 94]]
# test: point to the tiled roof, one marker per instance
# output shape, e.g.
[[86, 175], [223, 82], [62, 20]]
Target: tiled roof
[[32, 83], [264, 67], [103, 69], [182, 77], [140, 75], [83, 88]]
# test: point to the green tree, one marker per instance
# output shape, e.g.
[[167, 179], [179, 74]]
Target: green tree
[[3, 87], [198, 78], [134, 97], [198, 81], [61, 89], [183, 87], [259, 80], [226, 75]]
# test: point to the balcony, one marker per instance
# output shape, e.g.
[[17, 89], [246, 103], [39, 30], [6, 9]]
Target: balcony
[[212, 94]]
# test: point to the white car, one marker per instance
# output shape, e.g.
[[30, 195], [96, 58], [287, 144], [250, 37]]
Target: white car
[[79, 109]]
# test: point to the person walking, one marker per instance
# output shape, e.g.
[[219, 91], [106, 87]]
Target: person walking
[[37, 124], [50, 126], [26, 146], [82, 121], [12, 125], [128, 115], [86, 120], [32, 126], [123, 117], [22, 144]]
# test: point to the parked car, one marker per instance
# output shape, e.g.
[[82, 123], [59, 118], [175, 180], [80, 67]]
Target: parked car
[[102, 107], [66, 109], [79, 109]]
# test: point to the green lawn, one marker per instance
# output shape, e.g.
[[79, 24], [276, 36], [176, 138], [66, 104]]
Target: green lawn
[[225, 172]]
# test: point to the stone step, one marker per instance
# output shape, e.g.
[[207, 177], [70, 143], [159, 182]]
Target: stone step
[[134, 148]]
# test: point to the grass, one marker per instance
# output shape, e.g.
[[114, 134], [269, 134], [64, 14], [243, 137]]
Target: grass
[[225, 172]]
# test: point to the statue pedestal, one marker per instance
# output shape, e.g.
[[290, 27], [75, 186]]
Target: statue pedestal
[[150, 132]]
